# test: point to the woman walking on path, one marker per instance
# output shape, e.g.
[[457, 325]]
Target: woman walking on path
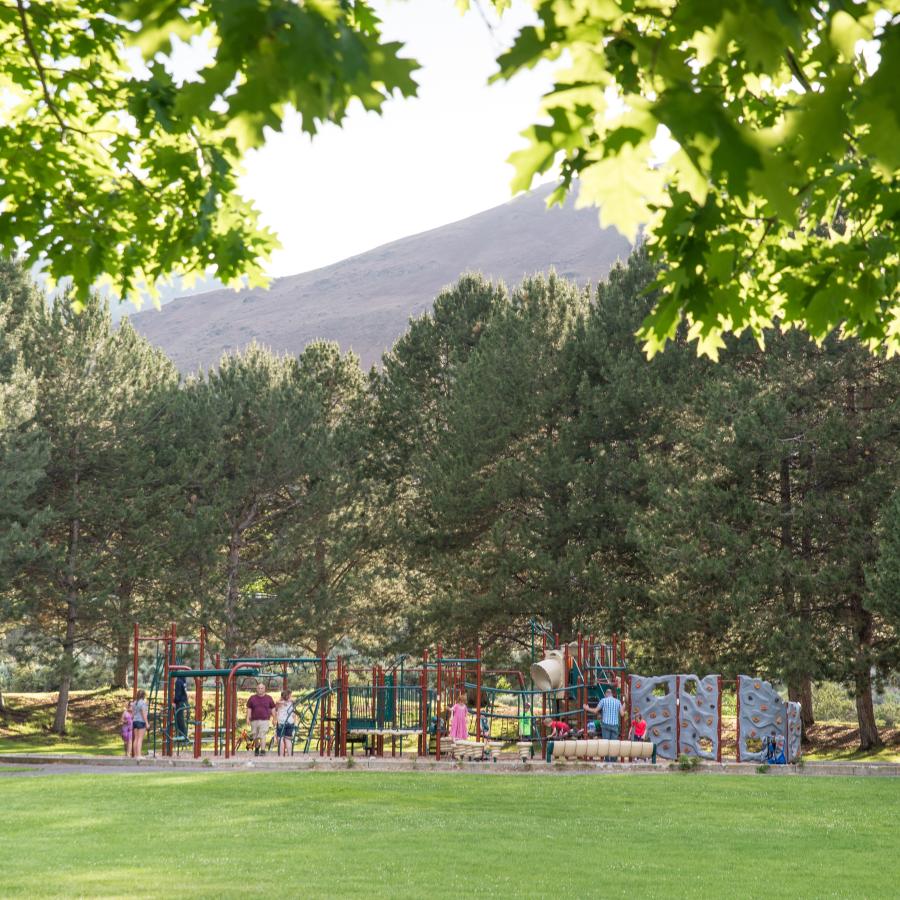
[[126, 720], [285, 719], [459, 728], [140, 714]]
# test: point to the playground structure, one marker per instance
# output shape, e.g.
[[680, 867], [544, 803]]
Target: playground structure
[[405, 707]]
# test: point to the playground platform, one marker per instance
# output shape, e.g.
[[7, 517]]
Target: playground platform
[[114, 764]]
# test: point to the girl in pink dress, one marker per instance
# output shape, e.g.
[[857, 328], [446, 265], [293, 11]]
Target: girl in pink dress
[[127, 720], [459, 728]]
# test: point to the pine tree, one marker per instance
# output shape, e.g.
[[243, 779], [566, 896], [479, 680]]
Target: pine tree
[[488, 525], [23, 449], [324, 549], [90, 380], [765, 515]]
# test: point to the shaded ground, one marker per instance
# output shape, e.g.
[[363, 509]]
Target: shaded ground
[[840, 740], [26, 723]]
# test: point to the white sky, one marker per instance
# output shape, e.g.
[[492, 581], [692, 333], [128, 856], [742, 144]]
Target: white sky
[[425, 162]]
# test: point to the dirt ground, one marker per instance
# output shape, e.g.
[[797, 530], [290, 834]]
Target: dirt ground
[[94, 725]]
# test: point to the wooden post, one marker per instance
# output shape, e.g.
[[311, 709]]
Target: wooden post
[[677, 716], [323, 712], [478, 734], [344, 716], [581, 694], [216, 723], [437, 727], [423, 701], [198, 700], [167, 643], [719, 720], [379, 721], [543, 693], [630, 703], [225, 750]]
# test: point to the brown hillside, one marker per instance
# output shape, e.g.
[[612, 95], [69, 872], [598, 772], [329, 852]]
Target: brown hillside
[[364, 302]]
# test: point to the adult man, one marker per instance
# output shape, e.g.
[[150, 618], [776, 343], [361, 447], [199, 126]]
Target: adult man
[[260, 709], [608, 709], [181, 704]]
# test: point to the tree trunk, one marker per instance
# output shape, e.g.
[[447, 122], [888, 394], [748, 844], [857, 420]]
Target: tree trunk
[[123, 660], [869, 738], [68, 663], [68, 647], [864, 631], [123, 637], [800, 691], [232, 594]]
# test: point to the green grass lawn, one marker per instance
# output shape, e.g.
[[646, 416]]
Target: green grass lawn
[[239, 834]]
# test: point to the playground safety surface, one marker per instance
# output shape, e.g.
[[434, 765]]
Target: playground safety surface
[[55, 764]]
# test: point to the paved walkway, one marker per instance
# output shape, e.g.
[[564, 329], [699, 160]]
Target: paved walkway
[[31, 765]]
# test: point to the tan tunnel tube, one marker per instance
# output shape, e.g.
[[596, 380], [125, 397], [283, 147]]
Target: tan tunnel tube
[[599, 747]]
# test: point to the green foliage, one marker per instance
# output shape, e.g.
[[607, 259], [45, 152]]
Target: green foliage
[[885, 574], [688, 763], [114, 168], [833, 703], [95, 392], [779, 203], [269, 536], [23, 447]]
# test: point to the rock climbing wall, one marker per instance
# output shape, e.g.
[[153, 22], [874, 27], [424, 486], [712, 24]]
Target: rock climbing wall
[[659, 709], [762, 714], [698, 708], [794, 732]]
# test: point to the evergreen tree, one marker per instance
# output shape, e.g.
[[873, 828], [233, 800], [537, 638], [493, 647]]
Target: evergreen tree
[[884, 578], [761, 529], [488, 525], [22, 447], [89, 381], [23, 450], [324, 553]]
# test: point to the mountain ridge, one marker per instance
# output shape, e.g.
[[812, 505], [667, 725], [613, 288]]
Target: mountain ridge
[[364, 302]]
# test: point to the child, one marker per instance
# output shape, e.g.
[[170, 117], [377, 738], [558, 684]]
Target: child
[[638, 729], [559, 729], [459, 727], [127, 731], [285, 720], [485, 726], [140, 716]]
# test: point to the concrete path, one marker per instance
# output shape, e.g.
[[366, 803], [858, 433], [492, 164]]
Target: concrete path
[[45, 764]]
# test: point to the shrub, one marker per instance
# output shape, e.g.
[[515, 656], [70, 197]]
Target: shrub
[[887, 713], [832, 702], [688, 763]]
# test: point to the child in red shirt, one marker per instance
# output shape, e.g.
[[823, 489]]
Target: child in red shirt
[[559, 729], [638, 728]]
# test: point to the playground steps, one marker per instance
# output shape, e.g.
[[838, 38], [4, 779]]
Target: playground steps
[[476, 750]]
